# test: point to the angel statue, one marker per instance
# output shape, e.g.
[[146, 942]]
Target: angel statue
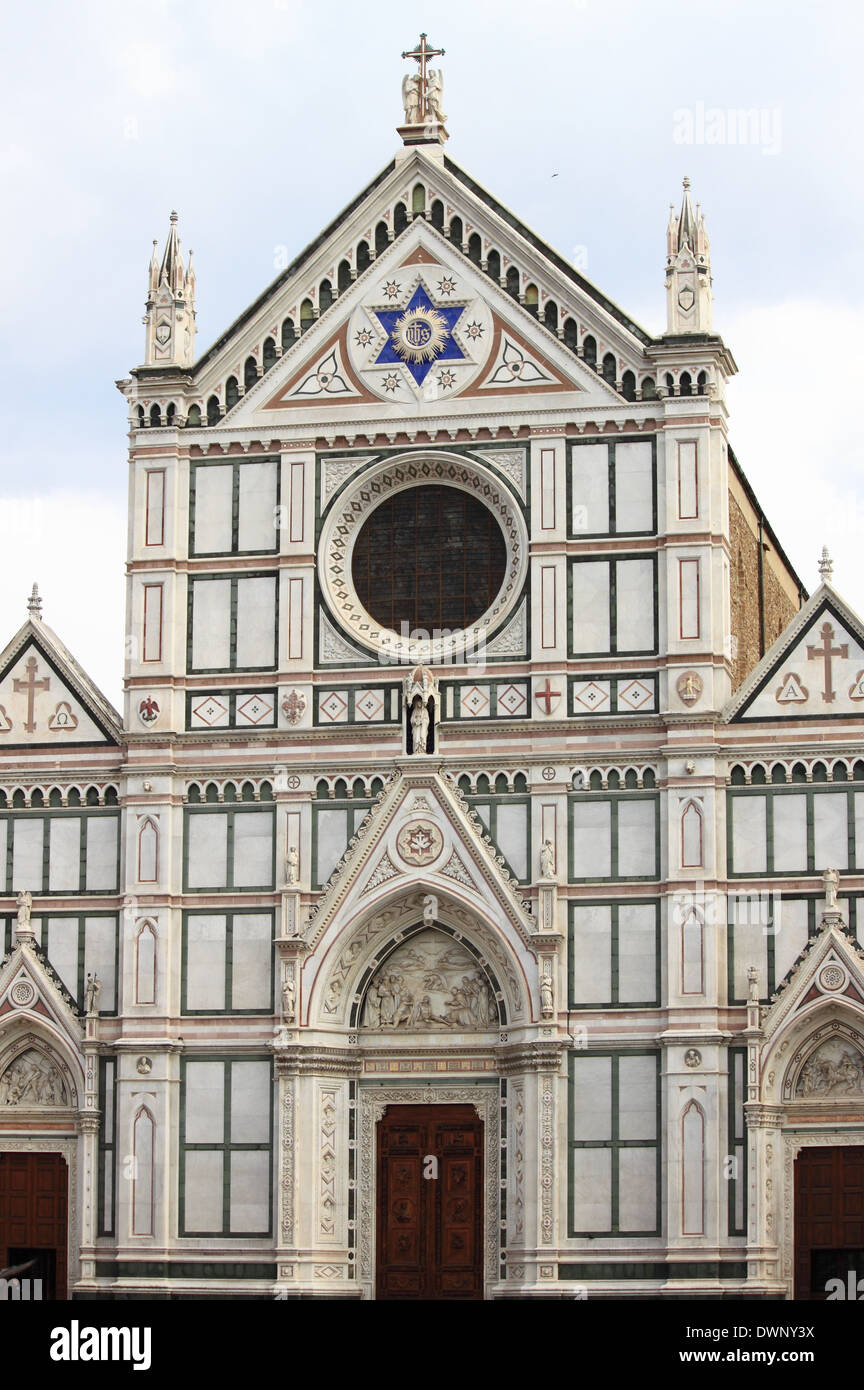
[[435, 95], [411, 97]]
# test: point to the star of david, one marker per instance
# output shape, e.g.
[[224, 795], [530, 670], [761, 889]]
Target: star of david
[[420, 305]]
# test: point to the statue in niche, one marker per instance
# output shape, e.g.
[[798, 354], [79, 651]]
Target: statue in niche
[[430, 983], [419, 726], [834, 1069], [547, 859], [32, 1079], [288, 992], [292, 866], [547, 1002]]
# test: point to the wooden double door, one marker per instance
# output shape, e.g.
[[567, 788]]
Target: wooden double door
[[829, 1219], [33, 1218], [430, 1203]]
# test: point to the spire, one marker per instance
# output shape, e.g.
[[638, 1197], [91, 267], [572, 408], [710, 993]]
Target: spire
[[826, 566], [688, 269], [170, 316], [34, 603]]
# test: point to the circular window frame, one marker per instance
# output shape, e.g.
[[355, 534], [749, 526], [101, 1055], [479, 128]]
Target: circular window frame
[[351, 509]]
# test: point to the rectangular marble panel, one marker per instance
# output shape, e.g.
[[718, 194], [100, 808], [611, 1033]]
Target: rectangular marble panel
[[749, 915], [207, 850], [27, 855], [749, 839], [688, 588], [205, 961], [634, 486], [830, 832], [790, 933], [637, 953], [212, 527], [637, 1189], [152, 624], [637, 1097], [61, 948], [251, 986], [688, 480], [592, 1189], [635, 605], [590, 606], [100, 956], [155, 507], [256, 524], [253, 849], [202, 1192], [256, 621], [512, 836], [250, 1192], [790, 833], [637, 839], [211, 624], [101, 866], [205, 1102], [332, 833], [591, 1097], [64, 866], [592, 839], [590, 489], [592, 954], [250, 1103]]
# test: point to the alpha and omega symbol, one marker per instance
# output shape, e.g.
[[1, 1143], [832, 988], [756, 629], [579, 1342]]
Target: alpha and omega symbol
[[420, 842]]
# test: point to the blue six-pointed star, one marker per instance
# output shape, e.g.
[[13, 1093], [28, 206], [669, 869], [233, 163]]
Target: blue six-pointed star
[[420, 305]]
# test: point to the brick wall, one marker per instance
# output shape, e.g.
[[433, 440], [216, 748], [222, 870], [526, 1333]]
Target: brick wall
[[779, 606]]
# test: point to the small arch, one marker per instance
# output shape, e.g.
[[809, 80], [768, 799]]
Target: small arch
[[437, 214], [493, 265], [268, 354], [819, 772], [193, 795], [213, 412], [418, 200], [55, 797], [550, 315], [212, 792], [307, 315], [377, 787], [778, 774], [589, 350], [475, 248], [73, 797], [858, 771], [595, 781], [482, 785], [232, 393], [193, 417], [456, 231], [702, 384], [18, 799], [322, 791], [628, 386], [155, 416], [648, 778], [265, 792], [340, 789], [142, 418], [686, 384], [343, 276], [513, 281], [359, 787], [325, 296], [631, 778], [400, 218], [613, 780], [170, 412], [362, 257], [250, 372], [608, 368], [839, 773], [501, 784], [92, 798], [3, 799], [799, 773], [248, 792], [670, 384], [464, 784], [288, 334], [36, 797], [229, 792], [571, 334], [757, 775], [737, 776], [143, 1185], [519, 782], [649, 389], [692, 1170], [532, 299], [691, 836]]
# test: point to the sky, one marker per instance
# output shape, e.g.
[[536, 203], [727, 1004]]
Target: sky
[[259, 122]]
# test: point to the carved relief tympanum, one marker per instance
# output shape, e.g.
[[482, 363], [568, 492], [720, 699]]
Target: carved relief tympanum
[[32, 1079], [834, 1069], [430, 983]]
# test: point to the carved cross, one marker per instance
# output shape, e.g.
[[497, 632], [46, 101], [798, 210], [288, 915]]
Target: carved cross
[[421, 54], [826, 652], [31, 685]]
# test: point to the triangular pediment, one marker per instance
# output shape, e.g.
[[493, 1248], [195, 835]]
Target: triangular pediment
[[328, 366], [46, 699], [815, 669], [422, 832], [421, 328], [31, 994], [829, 969]]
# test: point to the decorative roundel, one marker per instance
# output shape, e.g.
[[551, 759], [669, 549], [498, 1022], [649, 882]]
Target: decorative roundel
[[548, 774], [692, 1057], [22, 994], [419, 335], [345, 521], [832, 977], [420, 843]]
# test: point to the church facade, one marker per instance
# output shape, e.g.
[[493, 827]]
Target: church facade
[[465, 903]]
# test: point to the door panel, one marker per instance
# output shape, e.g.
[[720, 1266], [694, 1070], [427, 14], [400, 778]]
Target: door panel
[[430, 1230], [33, 1216], [829, 1218]]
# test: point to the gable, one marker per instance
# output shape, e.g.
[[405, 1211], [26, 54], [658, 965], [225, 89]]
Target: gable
[[44, 705], [814, 671], [421, 327]]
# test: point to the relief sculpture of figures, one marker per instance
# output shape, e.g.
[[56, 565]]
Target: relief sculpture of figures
[[430, 982], [835, 1069], [32, 1080]]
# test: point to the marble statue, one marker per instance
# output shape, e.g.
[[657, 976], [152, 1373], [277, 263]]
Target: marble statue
[[430, 908], [831, 880], [92, 990], [292, 866], [411, 97], [547, 1004], [288, 999], [25, 903], [547, 859], [752, 984], [435, 95], [419, 725]]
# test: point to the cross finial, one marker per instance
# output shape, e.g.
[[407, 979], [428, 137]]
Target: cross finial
[[421, 55], [34, 603], [826, 564]]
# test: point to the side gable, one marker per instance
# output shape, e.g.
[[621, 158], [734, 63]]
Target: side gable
[[815, 669], [46, 699]]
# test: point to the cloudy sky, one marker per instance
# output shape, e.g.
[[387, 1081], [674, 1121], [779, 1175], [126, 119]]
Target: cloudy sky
[[259, 122]]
